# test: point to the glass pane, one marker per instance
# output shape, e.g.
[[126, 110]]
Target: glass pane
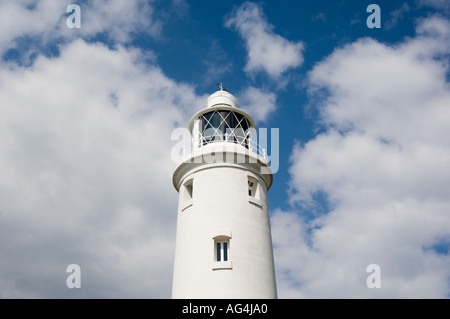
[[245, 125], [218, 251], [231, 120], [205, 119], [207, 129], [225, 115], [218, 125], [225, 251], [237, 118], [208, 134], [215, 120]]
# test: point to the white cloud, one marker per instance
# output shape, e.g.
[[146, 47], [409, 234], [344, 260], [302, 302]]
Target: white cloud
[[258, 103], [438, 4], [86, 174], [267, 51], [216, 62], [181, 8], [44, 21], [396, 15], [119, 19], [380, 84], [382, 165]]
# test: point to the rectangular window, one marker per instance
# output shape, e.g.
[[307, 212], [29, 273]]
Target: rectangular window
[[254, 191], [188, 194], [225, 251], [221, 250], [253, 187], [218, 251], [222, 255], [189, 190]]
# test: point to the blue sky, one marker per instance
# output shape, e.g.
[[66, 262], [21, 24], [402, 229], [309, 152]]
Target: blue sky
[[86, 117]]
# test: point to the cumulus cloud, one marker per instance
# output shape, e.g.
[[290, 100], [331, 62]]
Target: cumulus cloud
[[258, 103], [267, 51], [120, 19], [86, 174], [44, 21], [380, 168]]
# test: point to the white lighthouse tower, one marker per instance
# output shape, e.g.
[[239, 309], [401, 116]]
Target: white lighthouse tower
[[223, 241]]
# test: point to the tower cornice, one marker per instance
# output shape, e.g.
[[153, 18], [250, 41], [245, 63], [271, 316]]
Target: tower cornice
[[223, 157]]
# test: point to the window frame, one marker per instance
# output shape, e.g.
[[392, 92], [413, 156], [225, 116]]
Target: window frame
[[254, 190], [222, 251]]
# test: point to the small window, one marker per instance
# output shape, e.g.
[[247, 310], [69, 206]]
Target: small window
[[254, 191], [221, 250], [188, 194], [253, 187], [218, 251], [225, 250], [189, 190], [222, 253]]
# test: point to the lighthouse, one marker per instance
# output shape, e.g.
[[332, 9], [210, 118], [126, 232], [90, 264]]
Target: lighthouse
[[223, 243]]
